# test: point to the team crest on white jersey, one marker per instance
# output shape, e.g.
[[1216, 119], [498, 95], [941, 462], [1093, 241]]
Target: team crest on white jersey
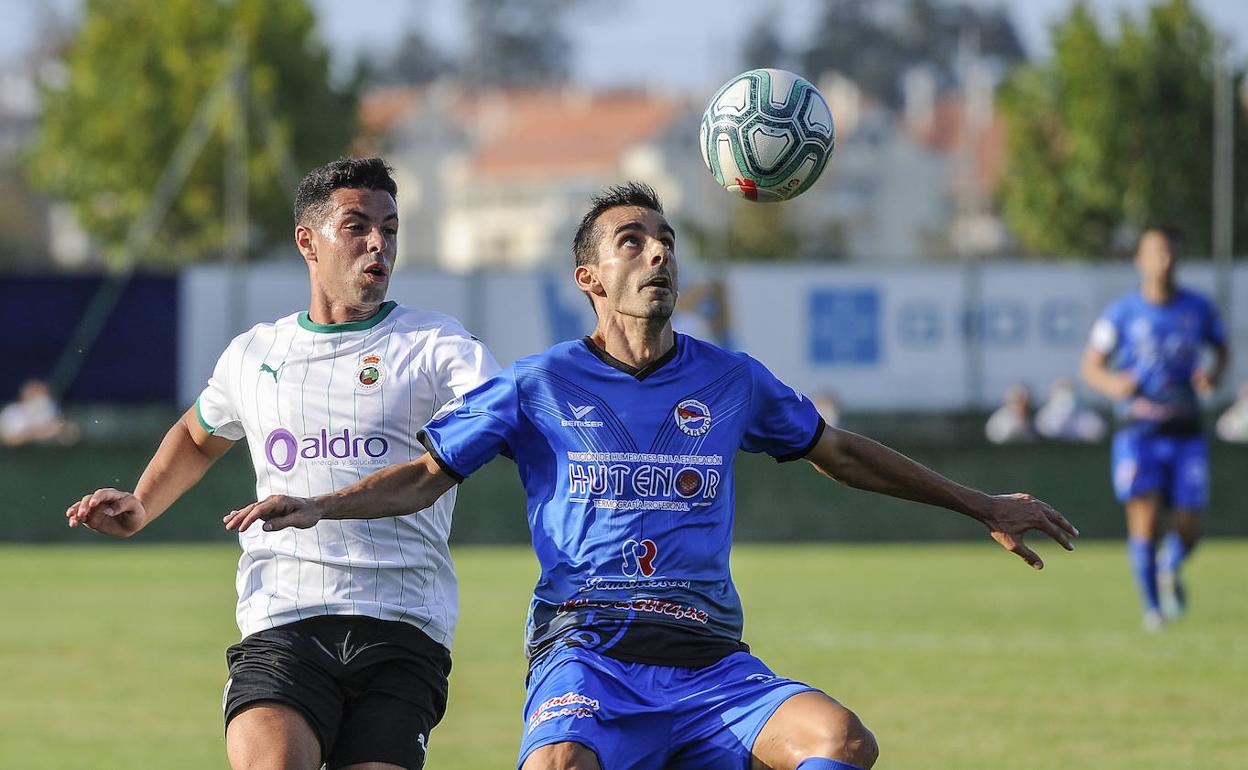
[[370, 374], [693, 417]]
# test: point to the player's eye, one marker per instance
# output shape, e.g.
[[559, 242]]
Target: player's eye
[[391, 231]]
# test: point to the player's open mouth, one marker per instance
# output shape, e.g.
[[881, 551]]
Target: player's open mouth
[[377, 271], [658, 282]]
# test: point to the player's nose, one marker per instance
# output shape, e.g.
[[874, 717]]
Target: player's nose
[[377, 241], [659, 253]]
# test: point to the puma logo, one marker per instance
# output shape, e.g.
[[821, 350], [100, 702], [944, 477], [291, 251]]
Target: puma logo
[[346, 652], [271, 370]]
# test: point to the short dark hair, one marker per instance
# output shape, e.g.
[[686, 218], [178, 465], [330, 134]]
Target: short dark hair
[[1173, 235], [312, 198], [627, 194]]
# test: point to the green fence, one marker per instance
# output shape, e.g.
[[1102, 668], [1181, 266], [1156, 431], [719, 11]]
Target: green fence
[[774, 502]]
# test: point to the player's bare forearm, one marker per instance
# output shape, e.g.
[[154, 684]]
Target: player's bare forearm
[[859, 462], [184, 456], [1095, 371], [394, 491], [868, 465]]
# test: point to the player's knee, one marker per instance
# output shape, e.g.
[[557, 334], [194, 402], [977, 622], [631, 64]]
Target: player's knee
[[562, 756], [843, 736]]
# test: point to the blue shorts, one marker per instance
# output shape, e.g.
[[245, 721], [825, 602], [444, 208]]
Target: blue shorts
[[1174, 467], [636, 716]]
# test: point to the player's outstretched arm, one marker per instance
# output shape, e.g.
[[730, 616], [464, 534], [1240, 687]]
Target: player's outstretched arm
[[183, 457], [394, 491], [1207, 378], [1094, 369], [868, 465]]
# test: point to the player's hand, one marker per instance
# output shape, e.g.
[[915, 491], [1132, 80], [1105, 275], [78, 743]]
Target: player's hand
[[1203, 383], [1121, 385], [277, 512], [1009, 517], [108, 511]]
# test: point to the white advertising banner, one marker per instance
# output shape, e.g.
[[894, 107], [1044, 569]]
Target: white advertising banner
[[922, 338]]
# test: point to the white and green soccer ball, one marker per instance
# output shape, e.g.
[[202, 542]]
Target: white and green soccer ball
[[767, 135]]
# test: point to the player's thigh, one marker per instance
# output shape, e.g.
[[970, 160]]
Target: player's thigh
[[1189, 487], [398, 685], [1189, 524], [812, 724], [579, 701], [1143, 512], [1137, 469], [272, 735], [568, 755], [380, 728], [722, 709], [277, 682]]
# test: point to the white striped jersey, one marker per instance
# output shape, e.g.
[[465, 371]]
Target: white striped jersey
[[321, 407]]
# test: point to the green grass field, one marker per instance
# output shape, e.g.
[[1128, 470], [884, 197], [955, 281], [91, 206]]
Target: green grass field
[[958, 656]]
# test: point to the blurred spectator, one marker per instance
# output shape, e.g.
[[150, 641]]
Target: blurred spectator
[[1012, 421], [1063, 418], [1233, 424], [828, 407], [35, 418]]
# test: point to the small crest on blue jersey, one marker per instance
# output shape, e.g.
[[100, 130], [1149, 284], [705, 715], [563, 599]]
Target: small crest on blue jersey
[[692, 417]]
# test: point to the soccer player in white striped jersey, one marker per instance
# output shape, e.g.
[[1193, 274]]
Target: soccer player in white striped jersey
[[346, 626]]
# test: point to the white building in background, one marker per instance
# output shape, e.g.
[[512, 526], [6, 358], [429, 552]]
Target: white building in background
[[908, 186], [499, 178]]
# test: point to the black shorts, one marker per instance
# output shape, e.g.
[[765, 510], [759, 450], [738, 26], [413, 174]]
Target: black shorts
[[371, 689]]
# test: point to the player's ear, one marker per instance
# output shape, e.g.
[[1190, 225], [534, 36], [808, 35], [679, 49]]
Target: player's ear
[[587, 280], [305, 242]]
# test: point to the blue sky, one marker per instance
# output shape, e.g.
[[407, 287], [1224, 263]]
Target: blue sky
[[689, 44]]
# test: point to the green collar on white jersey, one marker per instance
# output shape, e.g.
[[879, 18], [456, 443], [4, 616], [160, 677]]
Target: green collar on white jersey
[[349, 326]]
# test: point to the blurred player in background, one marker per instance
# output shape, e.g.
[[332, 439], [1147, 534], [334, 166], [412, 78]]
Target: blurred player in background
[[625, 442], [35, 418], [347, 627], [1145, 353]]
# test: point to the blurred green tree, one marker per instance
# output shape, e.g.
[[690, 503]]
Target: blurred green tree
[[416, 60], [516, 42], [138, 73], [763, 45], [874, 44], [1110, 135]]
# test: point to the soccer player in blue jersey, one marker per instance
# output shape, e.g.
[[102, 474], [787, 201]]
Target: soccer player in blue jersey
[[625, 442], [1145, 353]]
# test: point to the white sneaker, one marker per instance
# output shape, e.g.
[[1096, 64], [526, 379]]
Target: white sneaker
[[1173, 597], [1153, 621]]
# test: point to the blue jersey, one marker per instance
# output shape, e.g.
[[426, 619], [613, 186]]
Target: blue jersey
[[628, 474], [1160, 345]]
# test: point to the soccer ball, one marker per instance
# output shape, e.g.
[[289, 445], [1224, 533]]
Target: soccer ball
[[766, 135]]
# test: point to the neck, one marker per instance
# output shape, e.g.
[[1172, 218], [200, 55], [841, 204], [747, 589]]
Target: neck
[[1158, 292], [324, 310], [634, 341]]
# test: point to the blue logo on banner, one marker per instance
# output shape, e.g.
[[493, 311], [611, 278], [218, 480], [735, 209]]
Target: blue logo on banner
[[845, 326]]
